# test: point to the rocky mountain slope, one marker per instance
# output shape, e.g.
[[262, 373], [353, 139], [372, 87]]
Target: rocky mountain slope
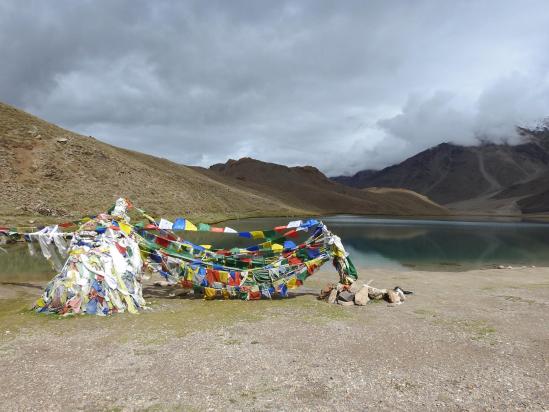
[[306, 187], [49, 171], [489, 177]]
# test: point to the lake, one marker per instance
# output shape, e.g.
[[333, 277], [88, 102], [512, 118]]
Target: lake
[[399, 244]]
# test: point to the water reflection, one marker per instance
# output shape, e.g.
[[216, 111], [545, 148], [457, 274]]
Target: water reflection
[[17, 265], [453, 244], [372, 242]]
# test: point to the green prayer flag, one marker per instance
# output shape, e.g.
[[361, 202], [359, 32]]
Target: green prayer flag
[[203, 227]]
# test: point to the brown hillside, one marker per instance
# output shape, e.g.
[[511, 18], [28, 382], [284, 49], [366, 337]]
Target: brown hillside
[[41, 173], [306, 187], [50, 171]]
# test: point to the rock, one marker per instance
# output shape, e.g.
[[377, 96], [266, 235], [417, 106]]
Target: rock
[[61, 140], [161, 283], [345, 303], [326, 291], [355, 287], [333, 296], [346, 296], [375, 293], [361, 297], [392, 296]]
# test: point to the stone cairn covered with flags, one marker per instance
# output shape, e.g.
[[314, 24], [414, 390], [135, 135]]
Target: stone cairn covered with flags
[[107, 256]]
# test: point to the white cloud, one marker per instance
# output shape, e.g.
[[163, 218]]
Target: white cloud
[[339, 86]]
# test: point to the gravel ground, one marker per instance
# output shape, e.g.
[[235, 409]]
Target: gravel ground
[[475, 340]]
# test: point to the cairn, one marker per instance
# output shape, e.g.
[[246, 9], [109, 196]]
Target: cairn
[[360, 294]]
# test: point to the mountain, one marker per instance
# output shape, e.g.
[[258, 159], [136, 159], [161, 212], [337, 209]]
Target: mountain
[[307, 188], [489, 177], [356, 179], [47, 170], [52, 172]]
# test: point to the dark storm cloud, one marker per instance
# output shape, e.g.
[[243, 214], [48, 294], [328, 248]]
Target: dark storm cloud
[[342, 86]]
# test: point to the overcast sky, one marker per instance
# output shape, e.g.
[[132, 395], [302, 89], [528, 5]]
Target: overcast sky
[[342, 85]]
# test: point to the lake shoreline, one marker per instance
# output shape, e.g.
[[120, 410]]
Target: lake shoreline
[[21, 220], [469, 340]]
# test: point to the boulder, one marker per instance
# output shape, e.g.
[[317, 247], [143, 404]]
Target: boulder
[[392, 297], [346, 296], [355, 287], [345, 303], [361, 297], [400, 294], [326, 291], [375, 293], [333, 296]]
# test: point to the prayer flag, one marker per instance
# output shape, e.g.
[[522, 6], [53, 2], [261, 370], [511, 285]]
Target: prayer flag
[[291, 283], [179, 224], [277, 248], [203, 227], [125, 228], [165, 224], [288, 245], [294, 223], [257, 234]]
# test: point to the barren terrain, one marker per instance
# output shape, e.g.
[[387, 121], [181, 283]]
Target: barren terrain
[[475, 340]]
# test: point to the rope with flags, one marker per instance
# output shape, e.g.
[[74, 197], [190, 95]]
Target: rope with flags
[[107, 258]]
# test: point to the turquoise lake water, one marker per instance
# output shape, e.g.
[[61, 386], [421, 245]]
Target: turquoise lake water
[[400, 244]]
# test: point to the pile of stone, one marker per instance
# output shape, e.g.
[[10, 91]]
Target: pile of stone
[[360, 294]]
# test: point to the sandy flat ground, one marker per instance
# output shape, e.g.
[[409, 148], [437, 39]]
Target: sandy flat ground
[[475, 340]]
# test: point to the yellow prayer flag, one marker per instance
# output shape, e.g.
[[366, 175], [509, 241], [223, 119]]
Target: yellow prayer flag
[[190, 226], [209, 293], [124, 227], [277, 248], [223, 276], [257, 234], [291, 283]]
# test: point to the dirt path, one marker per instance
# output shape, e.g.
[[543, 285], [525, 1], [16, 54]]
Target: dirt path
[[477, 340]]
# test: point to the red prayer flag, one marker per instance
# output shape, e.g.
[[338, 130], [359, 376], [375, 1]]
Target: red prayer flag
[[291, 233], [121, 249], [294, 261], [162, 241], [254, 295]]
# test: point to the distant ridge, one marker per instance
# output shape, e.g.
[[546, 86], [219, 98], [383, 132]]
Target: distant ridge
[[307, 187], [52, 172], [501, 178]]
